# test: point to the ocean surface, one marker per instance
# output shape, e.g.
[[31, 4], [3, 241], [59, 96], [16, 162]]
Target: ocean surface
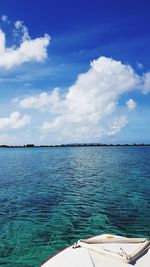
[[51, 197]]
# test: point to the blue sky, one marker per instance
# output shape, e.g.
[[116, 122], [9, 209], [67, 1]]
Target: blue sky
[[74, 71]]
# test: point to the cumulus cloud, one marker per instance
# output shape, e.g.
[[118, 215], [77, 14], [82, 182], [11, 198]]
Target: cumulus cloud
[[28, 51], [44, 102], [89, 108], [14, 121], [131, 104]]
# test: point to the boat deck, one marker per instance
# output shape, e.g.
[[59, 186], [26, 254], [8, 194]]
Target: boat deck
[[84, 257]]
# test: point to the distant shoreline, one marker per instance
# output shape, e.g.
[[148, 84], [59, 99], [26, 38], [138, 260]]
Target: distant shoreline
[[75, 145]]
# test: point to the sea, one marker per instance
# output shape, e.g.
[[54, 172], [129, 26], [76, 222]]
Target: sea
[[51, 197]]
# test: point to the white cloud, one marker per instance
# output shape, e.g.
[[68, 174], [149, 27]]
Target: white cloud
[[139, 65], [45, 102], [4, 18], [131, 104], [28, 51], [18, 24], [89, 109], [117, 125], [146, 82], [14, 121], [20, 27]]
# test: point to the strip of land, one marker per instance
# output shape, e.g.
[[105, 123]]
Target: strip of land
[[73, 145]]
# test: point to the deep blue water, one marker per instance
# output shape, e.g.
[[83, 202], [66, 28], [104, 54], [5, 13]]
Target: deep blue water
[[51, 197]]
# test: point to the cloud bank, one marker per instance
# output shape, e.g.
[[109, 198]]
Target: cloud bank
[[90, 110]]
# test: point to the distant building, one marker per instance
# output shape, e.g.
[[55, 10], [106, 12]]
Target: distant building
[[30, 145]]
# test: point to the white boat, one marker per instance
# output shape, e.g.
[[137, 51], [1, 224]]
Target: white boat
[[104, 251]]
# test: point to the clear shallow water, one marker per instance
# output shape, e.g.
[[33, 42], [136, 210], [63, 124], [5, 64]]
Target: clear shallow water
[[51, 197]]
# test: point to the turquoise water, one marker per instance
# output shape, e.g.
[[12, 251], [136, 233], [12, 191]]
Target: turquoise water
[[51, 197]]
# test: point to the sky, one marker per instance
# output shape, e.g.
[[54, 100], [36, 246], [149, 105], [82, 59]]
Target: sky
[[74, 72]]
